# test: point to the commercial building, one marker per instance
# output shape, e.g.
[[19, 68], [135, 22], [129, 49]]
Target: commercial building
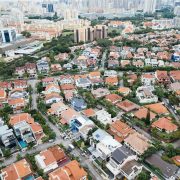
[[7, 35]]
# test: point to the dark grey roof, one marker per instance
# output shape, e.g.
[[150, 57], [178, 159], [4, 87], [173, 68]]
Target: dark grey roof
[[130, 166], [167, 169], [121, 153]]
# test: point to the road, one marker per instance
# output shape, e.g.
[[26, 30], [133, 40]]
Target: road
[[103, 60], [85, 161], [171, 109]]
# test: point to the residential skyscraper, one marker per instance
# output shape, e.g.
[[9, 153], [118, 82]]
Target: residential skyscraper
[[149, 6]]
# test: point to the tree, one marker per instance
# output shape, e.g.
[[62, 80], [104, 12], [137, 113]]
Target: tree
[[26, 34], [148, 118], [39, 87], [104, 42], [144, 176]]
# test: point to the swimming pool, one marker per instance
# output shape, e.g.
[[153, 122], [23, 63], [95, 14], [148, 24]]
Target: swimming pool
[[29, 178], [23, 144]]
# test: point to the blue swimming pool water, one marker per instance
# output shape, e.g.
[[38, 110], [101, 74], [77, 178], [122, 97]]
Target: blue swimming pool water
[[30, 178], [23, 144]]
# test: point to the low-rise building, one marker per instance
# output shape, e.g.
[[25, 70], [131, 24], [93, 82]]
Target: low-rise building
[[18, 170], [120, 130], [148, 79], [100, 92], [46, 161], [75, 171], [7, 136], [145, 95], [78, 103], [43, 66], [165, 124], [57, 109], [137, 142], [53, 98], [127, 106], [104, 117], [124, 161]]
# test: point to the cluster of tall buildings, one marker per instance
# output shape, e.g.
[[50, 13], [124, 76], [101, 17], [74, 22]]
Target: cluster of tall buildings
[[90, 33]]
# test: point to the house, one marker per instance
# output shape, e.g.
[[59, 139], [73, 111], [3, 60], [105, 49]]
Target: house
[[68, 66], [69, 94], [145, 95], [124, 91], [137, 142], [131, 78], [138, 63], [31, 69], [7, 136], [142, 114], [124, 161], [89, 112], [53, 98], [84, 83], [165, 124], [125, 63], [151, 62], [43, 66], [127, 106], [67, 87], [102, 144], [58, 154], [5, 85], [18, 170], [113, 98], [174, 86], [104, 117], [175, 76], [66, 79], [111, 81], [157, 108], [114, 55], [57, 109], [148, 79], [19, 84], [3, 96], [61, 57], [24, 133], [55, 68], [110, 73], [18, 93], [52, 88], [46, 161], [81, 125], [94, 75], [113, 64], [100, 92], [20, 71], [68, 115], [48, 80], [169, 171], [176, 160], [17, 104], [78, 103], [162, 77], [26, 128], [119, 130], [75, 171]]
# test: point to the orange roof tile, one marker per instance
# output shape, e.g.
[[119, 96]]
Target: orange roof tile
[[95, 73], [89, 112], [142, 113], [164, 123], [58, 153], [111, 80], [18, 170], [157, 108], [14, 119], [113, 98], [48, 157], [17, 101]]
